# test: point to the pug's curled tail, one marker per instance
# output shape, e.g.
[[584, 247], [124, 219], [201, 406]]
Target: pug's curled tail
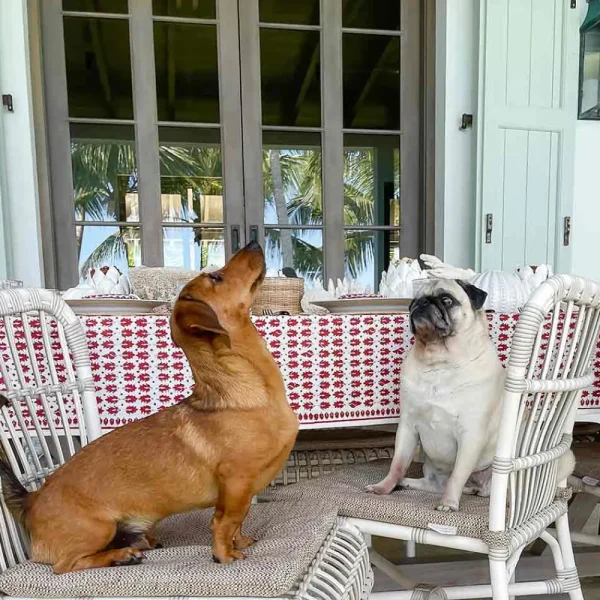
[[14, 492]]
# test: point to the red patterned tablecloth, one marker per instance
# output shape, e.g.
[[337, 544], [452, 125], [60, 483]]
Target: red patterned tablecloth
[[339, 370]]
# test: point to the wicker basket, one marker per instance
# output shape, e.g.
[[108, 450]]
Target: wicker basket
[[279, 294]]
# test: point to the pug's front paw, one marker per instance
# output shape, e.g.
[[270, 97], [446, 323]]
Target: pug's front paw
[[448, 506], [382, 488]]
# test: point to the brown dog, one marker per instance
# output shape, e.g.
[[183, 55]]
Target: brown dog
[[218, 447]]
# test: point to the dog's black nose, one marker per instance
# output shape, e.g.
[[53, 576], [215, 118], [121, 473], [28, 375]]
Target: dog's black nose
[[254, 246]]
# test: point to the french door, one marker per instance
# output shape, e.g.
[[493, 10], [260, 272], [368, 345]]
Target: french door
[[181, 129]]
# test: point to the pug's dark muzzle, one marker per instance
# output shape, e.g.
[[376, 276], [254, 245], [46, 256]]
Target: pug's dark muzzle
[[429, 320]]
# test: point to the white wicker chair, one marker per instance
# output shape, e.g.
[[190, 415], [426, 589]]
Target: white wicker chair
[[47, 379], [548, 368], [48, 411]]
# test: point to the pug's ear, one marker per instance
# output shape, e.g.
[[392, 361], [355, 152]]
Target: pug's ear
[[476, 296], [196, 317]]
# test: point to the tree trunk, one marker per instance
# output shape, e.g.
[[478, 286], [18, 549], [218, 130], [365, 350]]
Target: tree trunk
[[79, 235], [285, 237]]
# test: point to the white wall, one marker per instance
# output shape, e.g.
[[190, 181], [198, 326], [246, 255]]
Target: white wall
[[18, 193], [457, 49]]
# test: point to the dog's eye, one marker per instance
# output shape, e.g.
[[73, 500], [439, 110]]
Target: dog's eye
[[215, 276], [447, 300]]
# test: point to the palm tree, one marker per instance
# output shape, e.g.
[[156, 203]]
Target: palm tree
[[285, 235], [295, 176]]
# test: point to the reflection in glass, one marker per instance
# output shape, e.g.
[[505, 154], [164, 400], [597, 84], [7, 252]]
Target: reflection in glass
[[191, 9], [590, 74], [105, 6], [193, 247], [107, 246], [290, 66], [191, 171], [372, 14], [300, 12], [98, 68], [292, 178], [187, 80], [300, 249], [105, 179], [368, 253], [371, 80], [371, 179]]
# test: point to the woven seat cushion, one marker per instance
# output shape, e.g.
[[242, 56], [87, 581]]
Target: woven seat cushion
[[289, 536], [345, 487]]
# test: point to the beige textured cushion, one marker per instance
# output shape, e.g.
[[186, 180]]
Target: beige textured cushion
[[345, 488], [159, 283], [289, 537]]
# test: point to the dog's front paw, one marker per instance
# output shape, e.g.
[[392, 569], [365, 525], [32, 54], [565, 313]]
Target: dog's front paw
[[381, 489], [448, 506], [224, 558], [243, 541]]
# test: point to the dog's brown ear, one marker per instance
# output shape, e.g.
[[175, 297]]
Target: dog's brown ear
[[197, 318]]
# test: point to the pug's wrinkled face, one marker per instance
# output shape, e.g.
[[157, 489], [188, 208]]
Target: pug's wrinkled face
[[444, 308]]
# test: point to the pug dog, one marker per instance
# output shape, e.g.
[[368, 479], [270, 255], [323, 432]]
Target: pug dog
[[452, 384]]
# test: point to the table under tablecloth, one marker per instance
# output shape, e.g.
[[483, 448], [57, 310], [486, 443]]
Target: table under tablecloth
[[339, 370]]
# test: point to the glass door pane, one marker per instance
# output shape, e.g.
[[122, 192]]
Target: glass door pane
[[281, 87], [199, 119]]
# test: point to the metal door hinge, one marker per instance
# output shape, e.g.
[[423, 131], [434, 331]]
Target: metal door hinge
[[7, 101], [566, 231], [489, 224]]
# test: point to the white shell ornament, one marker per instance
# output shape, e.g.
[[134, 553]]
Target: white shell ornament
[[506, 292]]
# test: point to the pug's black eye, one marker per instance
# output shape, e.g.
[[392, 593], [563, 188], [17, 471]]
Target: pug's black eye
[[447, 301], [215, 277]]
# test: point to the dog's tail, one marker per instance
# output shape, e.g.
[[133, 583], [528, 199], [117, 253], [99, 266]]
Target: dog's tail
[[14, 492]]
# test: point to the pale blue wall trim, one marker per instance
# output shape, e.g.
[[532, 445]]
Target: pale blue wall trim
[[20, 198]]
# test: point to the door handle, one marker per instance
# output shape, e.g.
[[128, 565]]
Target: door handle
[[235, 238], [254, 233]]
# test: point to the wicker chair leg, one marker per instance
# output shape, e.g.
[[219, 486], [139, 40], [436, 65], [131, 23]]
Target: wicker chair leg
[[499, 579], [568, 577]]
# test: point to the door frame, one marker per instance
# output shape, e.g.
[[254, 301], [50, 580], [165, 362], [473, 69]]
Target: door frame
[[236, 159]]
